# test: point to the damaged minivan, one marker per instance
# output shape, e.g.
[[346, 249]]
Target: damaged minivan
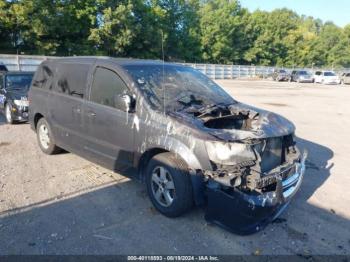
[[173, 128]]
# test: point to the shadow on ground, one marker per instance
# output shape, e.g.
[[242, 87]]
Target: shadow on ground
[[119, 219], [2, 119]]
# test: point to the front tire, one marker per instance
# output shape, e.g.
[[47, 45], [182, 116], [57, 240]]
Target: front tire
[[169, 185], [45, 138], [8, 114]]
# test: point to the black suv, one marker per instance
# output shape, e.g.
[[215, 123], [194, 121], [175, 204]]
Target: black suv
[[14, 88], [175, 129]]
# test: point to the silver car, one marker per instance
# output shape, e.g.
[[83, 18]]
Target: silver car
[[345, 78], [301, 76]]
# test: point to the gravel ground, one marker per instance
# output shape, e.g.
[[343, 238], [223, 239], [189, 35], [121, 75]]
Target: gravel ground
[[64, 204]]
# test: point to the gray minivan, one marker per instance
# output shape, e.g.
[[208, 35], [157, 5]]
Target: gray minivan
[[173, 128]]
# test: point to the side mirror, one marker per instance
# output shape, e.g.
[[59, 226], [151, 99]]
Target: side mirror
[[124, 101]]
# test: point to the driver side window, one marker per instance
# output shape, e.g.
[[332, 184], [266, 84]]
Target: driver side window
[[106, 86]]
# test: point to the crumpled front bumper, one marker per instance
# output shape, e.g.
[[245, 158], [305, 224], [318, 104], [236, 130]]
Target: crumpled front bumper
[[243, 213]]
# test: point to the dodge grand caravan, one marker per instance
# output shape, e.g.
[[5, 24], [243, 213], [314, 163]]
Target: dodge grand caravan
[[176, 130]]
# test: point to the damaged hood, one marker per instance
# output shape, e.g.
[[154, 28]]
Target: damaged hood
[[235, 122]]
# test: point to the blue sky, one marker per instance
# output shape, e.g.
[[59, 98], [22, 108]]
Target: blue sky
[[337, 11]]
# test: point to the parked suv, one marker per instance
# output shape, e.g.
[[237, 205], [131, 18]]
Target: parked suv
[[280, 75], [177, 130], [326, 77], [14, 88], [301, 76], [345, 79]]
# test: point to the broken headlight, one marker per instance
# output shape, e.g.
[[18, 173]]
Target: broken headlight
[[229, 153]]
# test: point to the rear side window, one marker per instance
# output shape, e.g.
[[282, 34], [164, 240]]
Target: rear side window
[[43, 77], [71, 79], [106, 86]]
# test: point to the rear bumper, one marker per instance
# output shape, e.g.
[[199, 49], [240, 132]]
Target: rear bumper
[[331, 82], [243, 213], [282, 78], [306, 81]]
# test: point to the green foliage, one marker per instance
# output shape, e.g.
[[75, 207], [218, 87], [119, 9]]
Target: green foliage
[[213, 31]]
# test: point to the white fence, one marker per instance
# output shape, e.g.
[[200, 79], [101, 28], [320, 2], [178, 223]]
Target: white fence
[[21, 62], [214, 71]]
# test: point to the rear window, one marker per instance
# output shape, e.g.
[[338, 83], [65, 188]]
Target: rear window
[[329, 74], [71, 79], [303, 73]]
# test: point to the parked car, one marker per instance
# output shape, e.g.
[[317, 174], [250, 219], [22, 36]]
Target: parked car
[[177, 130], [14, 88], [345, 78], [280, 75], [326, 77], [3, 68], [301, 76]]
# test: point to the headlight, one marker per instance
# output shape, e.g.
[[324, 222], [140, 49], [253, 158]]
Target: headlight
[[21, 102], [229, 153]]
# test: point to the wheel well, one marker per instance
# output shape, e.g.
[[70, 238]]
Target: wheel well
[[37, 117], [197, 181], [145, 158]]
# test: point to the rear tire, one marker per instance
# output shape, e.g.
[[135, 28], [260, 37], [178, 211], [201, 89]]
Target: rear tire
[[45, 138], [169, 185]]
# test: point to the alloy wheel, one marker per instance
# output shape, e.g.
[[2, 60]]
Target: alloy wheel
[[44, 136], [163, 187]]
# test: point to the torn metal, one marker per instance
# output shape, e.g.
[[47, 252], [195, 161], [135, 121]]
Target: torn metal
[[255, 165]]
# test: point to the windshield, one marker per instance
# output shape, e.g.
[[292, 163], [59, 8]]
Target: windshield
[[18, 82], [303, 73], [176, 87], [329, 74], [283, 71]]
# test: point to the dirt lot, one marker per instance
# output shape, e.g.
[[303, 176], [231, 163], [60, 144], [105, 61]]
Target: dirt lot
[[64, 204]]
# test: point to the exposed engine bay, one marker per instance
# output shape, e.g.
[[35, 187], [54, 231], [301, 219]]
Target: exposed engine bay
[[256, 165]]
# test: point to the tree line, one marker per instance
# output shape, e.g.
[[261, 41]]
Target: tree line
[[210, 31]]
